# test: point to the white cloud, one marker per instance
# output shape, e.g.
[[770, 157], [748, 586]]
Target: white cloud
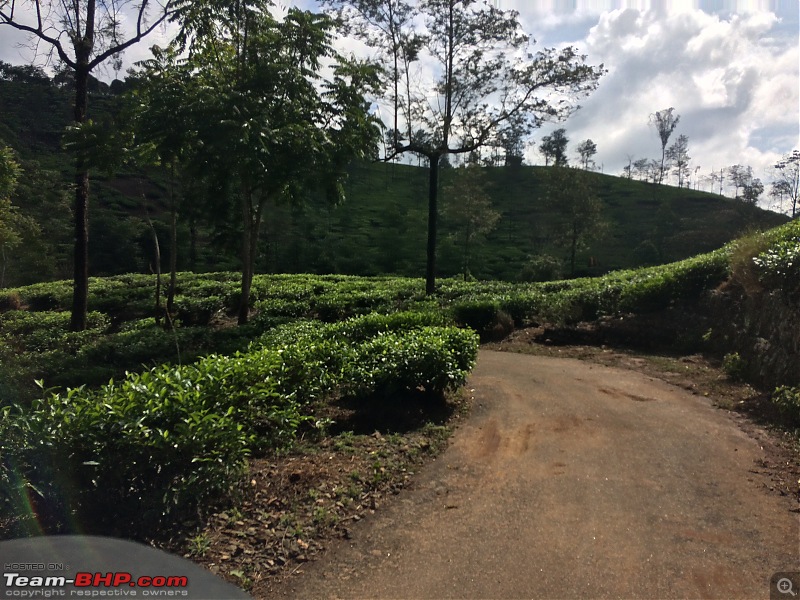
[[733, 79]]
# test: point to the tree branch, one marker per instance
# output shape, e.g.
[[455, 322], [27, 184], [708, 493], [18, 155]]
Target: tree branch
[[38, 31]]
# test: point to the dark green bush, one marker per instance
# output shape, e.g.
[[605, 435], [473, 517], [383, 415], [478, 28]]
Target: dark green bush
[[541, 268], [476, 314], [787, 399], [735, 366]]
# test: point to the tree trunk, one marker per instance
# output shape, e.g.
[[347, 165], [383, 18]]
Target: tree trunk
[[173, 244], [157, 269], [247, 262], [467, 237], [3, 271], [252, 225], [80, 290], [433, 192], [573, 250], [193, 245]]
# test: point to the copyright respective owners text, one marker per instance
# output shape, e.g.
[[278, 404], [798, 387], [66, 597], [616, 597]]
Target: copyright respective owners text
[[785, 585]]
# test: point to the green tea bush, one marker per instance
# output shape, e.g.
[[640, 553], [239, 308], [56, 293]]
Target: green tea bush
[[787, 399], [477, 314], [521, 306], [779, 265], [541, 268], [10, 301], [164, 442], [434, 359]]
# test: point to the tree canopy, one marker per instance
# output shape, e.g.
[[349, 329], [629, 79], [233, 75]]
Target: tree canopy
[[482, 85], [250, 114]]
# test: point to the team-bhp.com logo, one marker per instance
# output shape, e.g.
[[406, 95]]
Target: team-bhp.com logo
[[84, 584]]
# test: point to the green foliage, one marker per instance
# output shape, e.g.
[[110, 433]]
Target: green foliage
[[172, 440], [787, 399], [541, 268], [477, 314], [735, 366], [779, 265]]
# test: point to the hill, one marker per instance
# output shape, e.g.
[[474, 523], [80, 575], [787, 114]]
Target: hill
[[380, 229]]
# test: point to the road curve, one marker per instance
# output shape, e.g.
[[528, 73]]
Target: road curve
[[572, 480]]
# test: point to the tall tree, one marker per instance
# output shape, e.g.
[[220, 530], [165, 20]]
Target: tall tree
[[83, 34], [787, 182], [554, 147], [752, 190], [162, 131], [665, 123], [266, 126], [586, 150], [739, 176], [469, 208], [513, 143], [580, 212], [678, 156], [486, 79]]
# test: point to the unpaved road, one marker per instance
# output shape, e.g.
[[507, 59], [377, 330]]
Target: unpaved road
[[572, 480]]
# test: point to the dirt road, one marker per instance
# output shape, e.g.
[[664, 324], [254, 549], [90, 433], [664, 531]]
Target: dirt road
[[573, 480]]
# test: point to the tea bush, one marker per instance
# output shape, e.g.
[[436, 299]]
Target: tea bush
[[787, 399], [169, 441]]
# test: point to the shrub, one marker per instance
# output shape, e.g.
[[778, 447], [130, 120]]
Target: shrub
[[433, 358], [476, 314], [787, 399], [10, 301], [743, 268], [779, 265], [735, 366], [541, 268]]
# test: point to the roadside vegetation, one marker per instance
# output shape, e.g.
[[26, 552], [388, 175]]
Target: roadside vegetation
[[162, 416]]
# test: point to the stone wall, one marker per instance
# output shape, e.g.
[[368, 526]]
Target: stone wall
[[763, 326]]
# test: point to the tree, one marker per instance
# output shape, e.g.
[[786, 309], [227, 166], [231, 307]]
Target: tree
[[554, 147], [665, 123], [571, 195], [787, 183], [739, 176], [83, 34], [678, 156], [513, 143], [162, 131], [640, 167], [265, 126], [752, 191], [469, 208], [12, 223], [627, 170], [586, 150], [486, 80]]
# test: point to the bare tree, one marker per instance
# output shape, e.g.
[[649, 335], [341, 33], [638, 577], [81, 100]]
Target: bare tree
[[627, 170], [83, 34], [665, 122], [787, 183]]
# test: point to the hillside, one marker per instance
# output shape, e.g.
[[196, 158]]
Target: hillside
[[380, 229]]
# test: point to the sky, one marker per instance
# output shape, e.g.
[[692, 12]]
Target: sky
[[731, 70]]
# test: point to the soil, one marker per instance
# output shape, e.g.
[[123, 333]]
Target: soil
[[368, 509]]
